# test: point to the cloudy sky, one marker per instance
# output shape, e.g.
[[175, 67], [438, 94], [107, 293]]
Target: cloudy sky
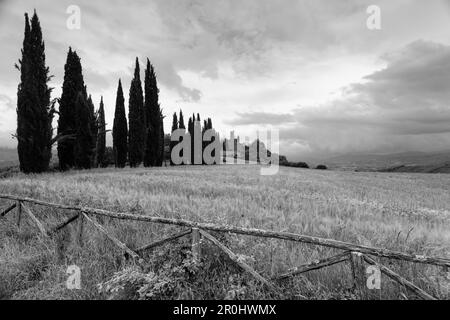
[[309, 68]]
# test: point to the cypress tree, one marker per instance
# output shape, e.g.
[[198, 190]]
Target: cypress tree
[[191, 135], [173, 143], [83, 152], [197, 129], [210, 123], [136, 134], [154, 119], [224, 151], [34, 113], [190, 126], [94, 130], [204, 143], [72, 85], [181, 121], [101, 138], [120, 130], [160, 158], [181, 126]]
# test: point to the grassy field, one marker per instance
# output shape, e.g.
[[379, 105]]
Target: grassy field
[[404, 212]]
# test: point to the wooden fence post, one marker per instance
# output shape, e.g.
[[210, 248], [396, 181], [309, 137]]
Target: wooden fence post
[[19, 213], [359, 274], [196, 249], [79, 233]]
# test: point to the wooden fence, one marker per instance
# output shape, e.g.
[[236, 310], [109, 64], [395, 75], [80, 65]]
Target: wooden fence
[[357, 255]]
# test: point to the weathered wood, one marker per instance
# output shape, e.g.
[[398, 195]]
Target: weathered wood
[[196, 238], [63, 224], [116, 241], [277, 235], [80, 230], [394, 276], [359, 274], [35, 220], [40, 202], [380, 252], [4, 212], [238, 261], [19, 213], [318, 264], [162, 241]]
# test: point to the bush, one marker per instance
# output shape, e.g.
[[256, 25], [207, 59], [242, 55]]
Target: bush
[[109, 156], [295, 164], [170, 273], [321, 167]]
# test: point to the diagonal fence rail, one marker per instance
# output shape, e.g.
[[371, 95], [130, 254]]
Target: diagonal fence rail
[[356, 254]]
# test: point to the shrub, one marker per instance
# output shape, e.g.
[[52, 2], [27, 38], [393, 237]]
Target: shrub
[[295, 164], [321, 167]]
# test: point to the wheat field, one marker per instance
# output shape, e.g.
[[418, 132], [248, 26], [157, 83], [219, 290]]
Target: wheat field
[[402, 212]]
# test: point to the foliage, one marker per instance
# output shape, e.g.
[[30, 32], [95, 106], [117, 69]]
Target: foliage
[[295, 164], [34, 112], [94, 130], [84, 153], [67, 124], [181, 278], [120, 130], [154, 119], [101, 139], [174, 127], [136, 118]]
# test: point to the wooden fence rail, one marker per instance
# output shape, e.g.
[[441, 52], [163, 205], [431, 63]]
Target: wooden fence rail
[[356, 254]]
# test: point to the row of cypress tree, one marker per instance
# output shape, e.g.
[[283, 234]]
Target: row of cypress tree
[[145, 132], [194, 128], [81, 132]]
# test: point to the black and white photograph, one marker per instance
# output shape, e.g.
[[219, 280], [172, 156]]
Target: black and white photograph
[[224, 157]]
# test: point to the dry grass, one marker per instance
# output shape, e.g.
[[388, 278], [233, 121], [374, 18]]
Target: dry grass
[[405, 212]]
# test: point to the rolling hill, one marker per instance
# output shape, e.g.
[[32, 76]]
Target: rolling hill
[[425, 162]]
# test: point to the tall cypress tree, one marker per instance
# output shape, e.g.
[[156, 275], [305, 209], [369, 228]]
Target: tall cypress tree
[[120, 130], [83, 152], [94, 130], [204, 143], [181, 126], [101, 138], [181, 121], [34, 113], [191, 136], [153, 117], [72, 85], [136, 134], [160, 154], [173, 143]]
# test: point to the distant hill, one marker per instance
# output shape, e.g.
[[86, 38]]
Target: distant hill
[[441, 168], [8, 157], [428, 162]]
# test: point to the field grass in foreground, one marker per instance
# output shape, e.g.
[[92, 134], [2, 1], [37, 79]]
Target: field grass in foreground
[[404, 212]]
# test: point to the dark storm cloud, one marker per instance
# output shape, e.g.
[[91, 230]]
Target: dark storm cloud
[[405, 104]]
